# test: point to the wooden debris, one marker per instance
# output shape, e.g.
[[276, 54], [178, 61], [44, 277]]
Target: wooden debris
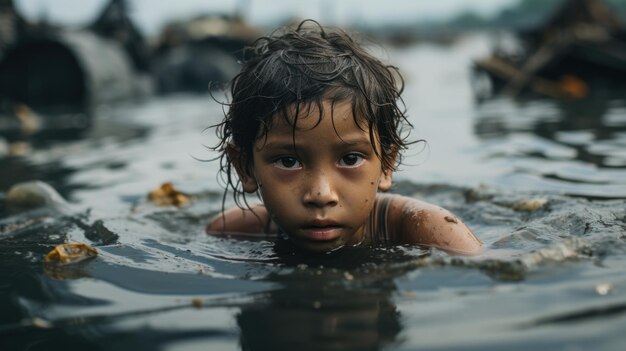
[[579, 45]]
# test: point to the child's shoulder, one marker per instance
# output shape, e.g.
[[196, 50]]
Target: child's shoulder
[[253, 220], [413, 221]]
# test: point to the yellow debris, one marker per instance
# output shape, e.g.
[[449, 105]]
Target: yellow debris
[[70, 253], [167, 195], [529, 205], [197, 302], [20, 148], [29, 120]]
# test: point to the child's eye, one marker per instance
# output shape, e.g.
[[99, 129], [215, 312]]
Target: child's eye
[[351, 160], [288, 162]]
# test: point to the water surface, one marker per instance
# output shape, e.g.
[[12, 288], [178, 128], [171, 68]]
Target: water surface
[[551, 278]]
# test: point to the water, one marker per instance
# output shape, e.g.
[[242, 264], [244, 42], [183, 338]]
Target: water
[[552, 278]]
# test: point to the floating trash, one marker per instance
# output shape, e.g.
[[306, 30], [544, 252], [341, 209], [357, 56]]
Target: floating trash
[[32, 194], [70, 253], [30, 122], [167, 195], [197, 302], [529, 205], [604, 289], [579, 49]]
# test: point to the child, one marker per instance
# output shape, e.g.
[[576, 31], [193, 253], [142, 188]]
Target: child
[[314, 128]]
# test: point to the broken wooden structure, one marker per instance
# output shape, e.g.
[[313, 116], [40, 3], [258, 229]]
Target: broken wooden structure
[[580, 50]]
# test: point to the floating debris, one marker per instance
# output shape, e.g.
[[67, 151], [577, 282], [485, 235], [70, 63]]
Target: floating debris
[[479, 193], [578, 49], [30, 122], [70, 253], [41, 323], [529, 205], [604, 289], [167, 195], [11, 227], [33, 194], [20, 148], [197, 302]]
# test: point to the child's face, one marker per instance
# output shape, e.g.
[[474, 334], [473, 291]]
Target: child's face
[[320, 194]]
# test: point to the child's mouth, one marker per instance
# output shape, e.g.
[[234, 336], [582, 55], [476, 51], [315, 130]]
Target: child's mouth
[[322, 231]]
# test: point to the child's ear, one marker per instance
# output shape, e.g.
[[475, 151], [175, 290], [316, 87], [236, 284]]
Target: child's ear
[[248, 181], [386, 179]]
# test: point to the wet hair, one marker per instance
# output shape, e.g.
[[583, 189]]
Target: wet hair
[[291, 71]]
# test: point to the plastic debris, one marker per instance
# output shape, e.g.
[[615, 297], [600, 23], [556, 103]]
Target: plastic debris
[[529, 205], [30, 122], [604, 289], [167, 195], [70, 253], [197, 302], [20, 148], [41, 323], [33, 194]]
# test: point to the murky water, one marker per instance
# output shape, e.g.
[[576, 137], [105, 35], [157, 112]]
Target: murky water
[[543, 185]]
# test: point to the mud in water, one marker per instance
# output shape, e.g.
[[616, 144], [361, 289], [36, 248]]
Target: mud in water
[[540, 183]]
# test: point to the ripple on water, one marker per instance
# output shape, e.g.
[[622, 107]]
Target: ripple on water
[[575, 148]]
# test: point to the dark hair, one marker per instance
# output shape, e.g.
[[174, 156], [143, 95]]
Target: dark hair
[[296, 69]]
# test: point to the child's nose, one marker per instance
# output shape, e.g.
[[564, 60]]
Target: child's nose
[[320, 191]]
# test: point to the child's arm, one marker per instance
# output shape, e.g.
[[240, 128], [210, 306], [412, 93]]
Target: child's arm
[[239, 220], [418, 222]]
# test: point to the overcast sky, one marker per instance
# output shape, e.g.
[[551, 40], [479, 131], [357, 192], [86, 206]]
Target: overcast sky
[[151, 14]]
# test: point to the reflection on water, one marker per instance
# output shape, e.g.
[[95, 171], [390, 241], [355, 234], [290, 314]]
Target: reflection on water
[[574, 147], [324, 316], [552, 275], [162, 283]]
